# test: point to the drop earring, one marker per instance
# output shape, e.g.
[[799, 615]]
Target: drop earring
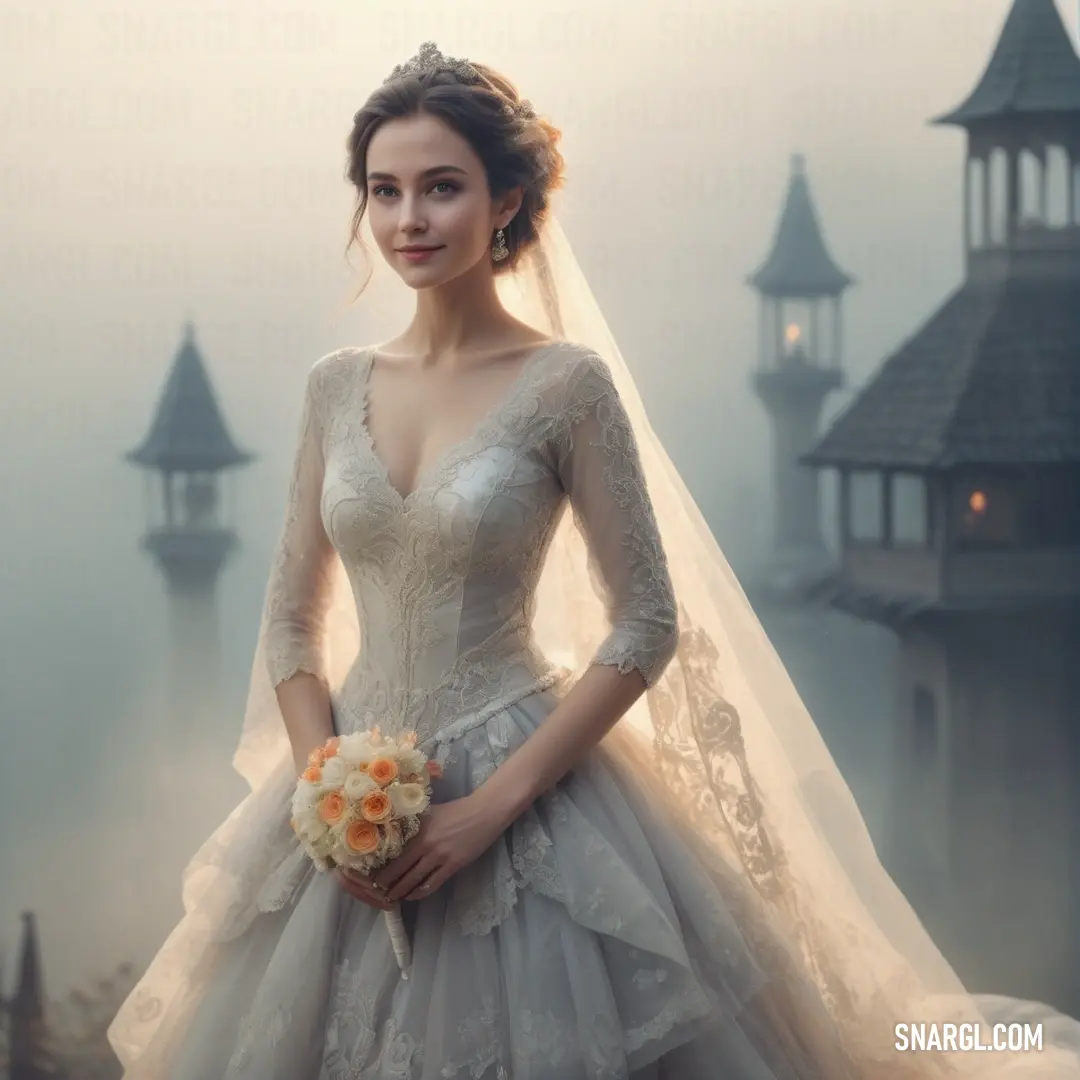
[[499, 250]]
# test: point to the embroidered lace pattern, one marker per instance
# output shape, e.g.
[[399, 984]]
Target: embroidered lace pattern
[[413, 559]]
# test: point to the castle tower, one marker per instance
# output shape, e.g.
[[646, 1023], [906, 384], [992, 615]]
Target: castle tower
[[29, 1055], [186, 450], [799, 365], [960, 517]]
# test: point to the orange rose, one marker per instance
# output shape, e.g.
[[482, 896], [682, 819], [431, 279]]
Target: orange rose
[[434, 770], [313, 774], [317, 756], [332, 807], [362, 837], [383, 770], [331, 748], [375, 806]]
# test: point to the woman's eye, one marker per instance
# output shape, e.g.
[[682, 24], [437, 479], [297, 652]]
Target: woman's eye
[[386, 189]]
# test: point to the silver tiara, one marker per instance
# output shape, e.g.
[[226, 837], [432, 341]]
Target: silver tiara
[[429, 59]]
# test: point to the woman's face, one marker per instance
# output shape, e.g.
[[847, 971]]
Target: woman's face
[[427, 190]]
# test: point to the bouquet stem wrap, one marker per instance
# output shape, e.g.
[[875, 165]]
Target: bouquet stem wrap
[[399, 939]]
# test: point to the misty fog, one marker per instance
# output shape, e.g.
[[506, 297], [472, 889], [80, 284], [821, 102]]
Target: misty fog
[[165, 163]]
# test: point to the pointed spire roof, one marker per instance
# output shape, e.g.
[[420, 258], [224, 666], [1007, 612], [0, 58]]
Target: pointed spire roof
[[799, 264], [29, 999], [1034, 69], [188, 433]]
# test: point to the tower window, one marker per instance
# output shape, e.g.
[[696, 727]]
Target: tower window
[[984, 512], [910, 520], [867, 506]]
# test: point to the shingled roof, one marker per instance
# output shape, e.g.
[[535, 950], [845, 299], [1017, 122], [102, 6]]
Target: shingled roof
[[188, 433], [799, 265], [1034, 69], [992, 378]]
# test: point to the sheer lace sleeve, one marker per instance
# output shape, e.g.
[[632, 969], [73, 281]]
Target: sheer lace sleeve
[[300, 586], [601, 472]]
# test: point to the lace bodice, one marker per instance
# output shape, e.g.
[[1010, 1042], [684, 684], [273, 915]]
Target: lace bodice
[[444, 578]]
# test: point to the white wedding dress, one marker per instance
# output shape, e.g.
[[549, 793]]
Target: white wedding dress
[[588, 942]]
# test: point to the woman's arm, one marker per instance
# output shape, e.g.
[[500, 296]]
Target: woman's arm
[[600, 469], [304, 701], [297, 601], [299, 592], [593, 706]]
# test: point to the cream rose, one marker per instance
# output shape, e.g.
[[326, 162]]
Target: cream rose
[[411, 762], [334, 772], [355, 748], [358, 784], [305, 797], [309, 825], [409, 798]]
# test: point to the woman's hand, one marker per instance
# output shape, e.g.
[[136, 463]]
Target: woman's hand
[[452, 836], [362, 888]]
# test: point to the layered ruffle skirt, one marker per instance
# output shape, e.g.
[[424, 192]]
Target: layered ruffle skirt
[[591, 942]]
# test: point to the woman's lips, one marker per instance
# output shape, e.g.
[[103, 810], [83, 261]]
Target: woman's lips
[[419, 254]]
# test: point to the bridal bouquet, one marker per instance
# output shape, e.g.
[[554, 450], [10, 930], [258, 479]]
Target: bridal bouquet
[[359, 802]]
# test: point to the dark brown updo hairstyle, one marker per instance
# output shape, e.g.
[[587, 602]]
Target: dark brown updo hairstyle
[[517, 147]]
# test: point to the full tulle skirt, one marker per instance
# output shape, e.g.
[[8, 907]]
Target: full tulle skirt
[[589, 943]]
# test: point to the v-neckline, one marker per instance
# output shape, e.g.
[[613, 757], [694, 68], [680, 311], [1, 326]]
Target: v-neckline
[[449, 455]]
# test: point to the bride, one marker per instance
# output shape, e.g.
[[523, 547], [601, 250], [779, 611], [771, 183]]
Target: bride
[[641, 862]]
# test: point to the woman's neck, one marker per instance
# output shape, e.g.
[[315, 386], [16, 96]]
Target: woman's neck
[[458, 321]]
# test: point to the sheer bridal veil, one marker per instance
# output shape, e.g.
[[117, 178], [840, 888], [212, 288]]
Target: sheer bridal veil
[[723, 741]]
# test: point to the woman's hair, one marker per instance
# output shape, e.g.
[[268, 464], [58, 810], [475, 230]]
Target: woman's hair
[[517, 147]]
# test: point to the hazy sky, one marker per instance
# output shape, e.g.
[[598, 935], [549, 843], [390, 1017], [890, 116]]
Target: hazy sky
[[165, 162]]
